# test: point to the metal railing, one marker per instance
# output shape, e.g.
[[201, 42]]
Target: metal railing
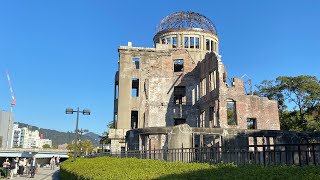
[[290, 154], [33, 150]]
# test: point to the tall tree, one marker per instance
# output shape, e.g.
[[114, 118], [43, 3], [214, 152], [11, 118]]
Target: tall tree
[[301, 91]]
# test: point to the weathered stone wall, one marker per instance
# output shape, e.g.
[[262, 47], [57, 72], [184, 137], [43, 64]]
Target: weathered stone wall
[[247, 106], [205, 78]]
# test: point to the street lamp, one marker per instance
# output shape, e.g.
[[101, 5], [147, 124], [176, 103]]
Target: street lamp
[[84, 112], [81, 131]]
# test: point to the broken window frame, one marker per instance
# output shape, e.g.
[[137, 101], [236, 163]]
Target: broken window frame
[[116, 90], [208, 44], [115, 119], [136, 62], [211, 116], [135, 87], [197, 41], [202, 119], [203, 87], [192, 42], [186, 42], [134, 122], [168, 40], [174, 42], [178, 65], [163, 41], [253, 123], [231, 112], [212, 80], [179, 95]]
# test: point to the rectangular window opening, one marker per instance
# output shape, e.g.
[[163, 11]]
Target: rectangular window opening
[[251, 123], [178, 121], [197, 43], [207, 44], [116, 93], [178, 65], [174, 42], [163, 41], [136, 62], [231, 113], [203, 87], [168, 40], [135, 87], [211, 46], [179, 94], [134, 119], [191, 42], [202, 118], [210, 81], [186, 42], [115, 119], [211, 116]]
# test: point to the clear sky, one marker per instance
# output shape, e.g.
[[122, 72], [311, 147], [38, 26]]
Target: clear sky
[[63, 53]]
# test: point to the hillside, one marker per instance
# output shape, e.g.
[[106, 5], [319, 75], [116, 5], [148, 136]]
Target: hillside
[[58, 137]]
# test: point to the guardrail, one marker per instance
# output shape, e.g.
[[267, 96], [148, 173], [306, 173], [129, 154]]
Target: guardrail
[[290, 154]]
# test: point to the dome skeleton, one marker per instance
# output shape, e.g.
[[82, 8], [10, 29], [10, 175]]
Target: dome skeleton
[[186, 20]]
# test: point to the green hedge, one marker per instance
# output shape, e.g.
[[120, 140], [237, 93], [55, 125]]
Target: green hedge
[[103, 168]]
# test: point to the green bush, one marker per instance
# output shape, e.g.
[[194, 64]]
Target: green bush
[[103, 168]]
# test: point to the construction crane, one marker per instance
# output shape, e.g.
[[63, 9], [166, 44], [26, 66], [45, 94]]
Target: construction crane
[[12, 104]]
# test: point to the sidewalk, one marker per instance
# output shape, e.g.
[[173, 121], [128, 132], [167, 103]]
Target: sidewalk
[[43, 173]]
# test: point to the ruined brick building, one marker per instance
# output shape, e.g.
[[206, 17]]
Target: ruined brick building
[[181, 80]]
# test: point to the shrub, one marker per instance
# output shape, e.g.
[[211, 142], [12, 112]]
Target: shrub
[[130, 168]]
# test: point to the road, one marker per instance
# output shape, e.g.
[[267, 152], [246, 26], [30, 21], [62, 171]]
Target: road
[[42, 174]]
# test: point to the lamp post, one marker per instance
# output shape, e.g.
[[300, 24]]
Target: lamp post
[[84, 112], [81, 131]]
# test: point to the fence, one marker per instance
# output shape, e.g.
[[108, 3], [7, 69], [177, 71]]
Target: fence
[[290, 154]]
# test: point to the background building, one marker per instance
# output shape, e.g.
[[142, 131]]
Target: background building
[[16, 136], [32, 139], [4, 125], [181, 81]]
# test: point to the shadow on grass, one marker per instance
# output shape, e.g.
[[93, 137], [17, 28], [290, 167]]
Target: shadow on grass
[[249, 172], [212, 173], [56, 175]]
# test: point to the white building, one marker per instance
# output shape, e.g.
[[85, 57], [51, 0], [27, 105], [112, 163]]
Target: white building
[[24, 138], [31, 139], [16, 136], [44, 141]]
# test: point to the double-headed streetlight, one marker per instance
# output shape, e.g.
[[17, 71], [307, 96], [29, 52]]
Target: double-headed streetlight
[[84, 112]]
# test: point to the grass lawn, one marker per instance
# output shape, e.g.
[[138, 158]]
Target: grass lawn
[[103, 168]]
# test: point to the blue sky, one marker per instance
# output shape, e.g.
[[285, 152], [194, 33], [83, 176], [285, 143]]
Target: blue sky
[[64, 53]]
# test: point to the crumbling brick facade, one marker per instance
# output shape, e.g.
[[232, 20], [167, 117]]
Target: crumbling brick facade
[[182, 80]]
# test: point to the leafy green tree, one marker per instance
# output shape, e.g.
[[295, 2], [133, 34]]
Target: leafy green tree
[[112, 125], [301, 91], [46, 146], [87, 147]]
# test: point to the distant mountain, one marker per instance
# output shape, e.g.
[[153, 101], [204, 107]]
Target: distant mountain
[[93, 136], [58, 137]]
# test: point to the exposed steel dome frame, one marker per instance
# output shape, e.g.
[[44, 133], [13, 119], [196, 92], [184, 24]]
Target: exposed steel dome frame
[[186, 20]]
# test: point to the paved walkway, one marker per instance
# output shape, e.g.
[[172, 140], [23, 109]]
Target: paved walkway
[[42, 174]]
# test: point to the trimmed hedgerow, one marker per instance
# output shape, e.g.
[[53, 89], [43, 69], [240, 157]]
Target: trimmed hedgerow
[[102, 168]]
